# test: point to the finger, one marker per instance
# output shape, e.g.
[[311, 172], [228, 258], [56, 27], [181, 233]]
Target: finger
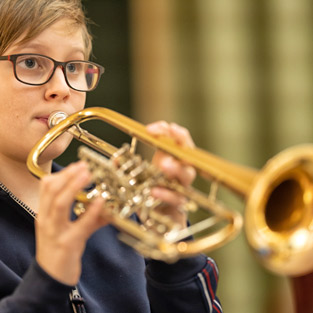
[[181, 135], [62, 176], [58, 190], [170, 197], [159, 128], [62, 203], [174, 169], [94, 218]]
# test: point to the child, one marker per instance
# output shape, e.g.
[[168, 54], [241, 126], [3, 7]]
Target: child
[[49, 262]]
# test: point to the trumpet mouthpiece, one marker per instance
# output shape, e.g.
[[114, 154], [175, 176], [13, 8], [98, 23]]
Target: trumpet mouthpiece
[[56, 117]]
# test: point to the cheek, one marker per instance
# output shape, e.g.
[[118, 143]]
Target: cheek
[[79, 100], [16, 100], [12, 117]]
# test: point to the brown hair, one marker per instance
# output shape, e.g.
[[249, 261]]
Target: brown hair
[[31, 17]]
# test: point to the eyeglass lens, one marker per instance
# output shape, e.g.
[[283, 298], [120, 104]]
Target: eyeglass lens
[[34, 69]]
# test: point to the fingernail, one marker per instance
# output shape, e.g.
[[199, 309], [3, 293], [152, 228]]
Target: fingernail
[[152, 128], [167, 162]]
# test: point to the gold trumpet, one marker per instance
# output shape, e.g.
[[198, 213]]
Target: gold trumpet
[[278, 218]]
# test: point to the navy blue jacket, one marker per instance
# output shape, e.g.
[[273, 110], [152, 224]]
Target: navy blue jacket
[[115, 279]]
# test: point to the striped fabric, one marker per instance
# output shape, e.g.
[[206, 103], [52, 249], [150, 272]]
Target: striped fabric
[[207, 281]]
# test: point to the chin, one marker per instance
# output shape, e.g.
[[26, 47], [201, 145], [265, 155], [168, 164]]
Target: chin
[[55, 149]]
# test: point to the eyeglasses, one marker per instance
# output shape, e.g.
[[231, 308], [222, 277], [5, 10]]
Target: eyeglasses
[[36, 69]]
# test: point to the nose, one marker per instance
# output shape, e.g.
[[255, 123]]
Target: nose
[[56, 87]]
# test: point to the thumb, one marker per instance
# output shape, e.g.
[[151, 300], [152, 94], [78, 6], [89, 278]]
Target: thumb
[[94, 218]]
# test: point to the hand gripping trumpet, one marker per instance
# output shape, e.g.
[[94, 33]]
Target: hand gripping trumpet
[[278, 215]]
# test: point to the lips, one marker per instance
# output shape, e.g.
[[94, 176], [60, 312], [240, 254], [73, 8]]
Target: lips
[[43, 119]]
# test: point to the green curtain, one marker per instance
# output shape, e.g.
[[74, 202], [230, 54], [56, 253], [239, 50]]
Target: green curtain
[[110, 29]]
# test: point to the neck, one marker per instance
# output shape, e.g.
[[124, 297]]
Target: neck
[[17, 178]]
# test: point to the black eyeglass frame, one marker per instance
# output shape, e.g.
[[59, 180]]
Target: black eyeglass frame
[[13, 57]]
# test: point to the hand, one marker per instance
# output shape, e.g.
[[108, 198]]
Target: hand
[[173, 169], [60, 242]]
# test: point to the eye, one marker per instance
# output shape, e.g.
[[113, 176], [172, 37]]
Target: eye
[[31, 62], [74, 67], [71, 67], [28, 63]]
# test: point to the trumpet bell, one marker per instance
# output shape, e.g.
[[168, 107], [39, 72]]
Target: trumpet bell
[[279, 213]]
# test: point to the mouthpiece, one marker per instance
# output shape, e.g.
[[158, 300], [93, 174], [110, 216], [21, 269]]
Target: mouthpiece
[[56, 117]]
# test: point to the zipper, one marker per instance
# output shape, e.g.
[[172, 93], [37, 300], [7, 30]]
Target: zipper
[[77, 301], [75, 297], [18, 201]]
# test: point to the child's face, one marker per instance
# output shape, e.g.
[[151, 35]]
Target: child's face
[[24, 109]]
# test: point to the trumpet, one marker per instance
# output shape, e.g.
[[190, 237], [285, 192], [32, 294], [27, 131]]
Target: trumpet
[[278, 214]]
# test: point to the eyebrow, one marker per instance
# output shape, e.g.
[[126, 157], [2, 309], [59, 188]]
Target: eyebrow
[[39, 46]]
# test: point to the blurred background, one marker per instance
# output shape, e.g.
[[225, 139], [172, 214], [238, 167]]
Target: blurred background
[[237, 74]]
